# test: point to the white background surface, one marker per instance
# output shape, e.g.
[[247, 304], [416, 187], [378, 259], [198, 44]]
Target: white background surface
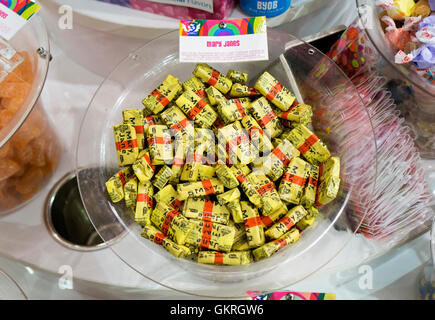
[[32, 257]]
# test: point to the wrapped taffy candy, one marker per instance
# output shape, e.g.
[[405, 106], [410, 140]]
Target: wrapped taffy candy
[[397, 9], [126, 144], [298, 112], [177, 250], [274, 217], [196, 109], [206, 210], [214, 96], [260, 140], [168, 195], [231, 199], [266, 117], [162, 177], [171, 223], [210, 235], [274, 91], [142, 167], [241, 245], [329, 173], [422, 9], [157, 100], [226, 176], [239, 228], [180, 149], [206, 172], [286, 223], [230, 258], [269, 248], [309, 195], [196, 85], [191, 167], [239, 90], [293, 182], [135, 118], [130, 193], [199, 188], [150, 121], [270, 200], [308, 220], [144, 203], [253, 225], [279, 159], [237, 143], [233, 109], [160, 144], [176, 121], [309, 145], [212, 77], [248, 187], [237, 76], [115, 185]]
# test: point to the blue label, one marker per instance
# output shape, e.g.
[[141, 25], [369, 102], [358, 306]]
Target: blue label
[[268, 8]]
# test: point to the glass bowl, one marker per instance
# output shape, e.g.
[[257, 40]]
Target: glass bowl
[[340, 120], [29, 150], [413, 94]]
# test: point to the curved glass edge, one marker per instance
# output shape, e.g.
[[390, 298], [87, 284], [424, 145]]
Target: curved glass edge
[[82, 161], [367, 13], [31, 37]]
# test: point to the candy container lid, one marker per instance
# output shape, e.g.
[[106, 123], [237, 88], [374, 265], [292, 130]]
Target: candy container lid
[[368, 12], [32, 45], [340, 119]]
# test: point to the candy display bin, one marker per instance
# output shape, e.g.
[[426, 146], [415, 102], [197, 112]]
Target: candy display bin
[[364, 47], [344, 126], [29, 150]]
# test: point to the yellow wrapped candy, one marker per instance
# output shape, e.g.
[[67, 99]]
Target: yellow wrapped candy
[[157, 100], [206, 210], [199, 188], [274, 217], [286, 223], [226, 176], [115, 185], [291, 188], [236, 141], [237, 76], [298, 112], [210, 235], [142, 167], [160, 144], [130, 193], [162, 177], [169, 196], [260, 140], [253, 225], [262, 112], [126, 144], [231, 199], [309, 195], [135, 118], [239, 90], [308, 220], [269, 248], [144, 204], [212, 77], [221, 258], [196, 109], [233, 109], [279, 159], [274, 91], [329, 181], [206, 172], [178, 251], [214, 96]]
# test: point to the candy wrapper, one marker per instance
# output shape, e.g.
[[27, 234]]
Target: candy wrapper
[[274, 217], [233, 109], [309, 195], [237, 76], [142, 167], [329, 185], [397, 9], [308, 220], [309, 145], [151, 233], [157, 100], [226, 176], [162, 177], [209, 235], [212, 77], [135, 118], [239, 90], [253, 225], [144, 204], [231, 199], [274, 91], [298, 112], [160, 144], [286, 223], [268, 249], [171, 223], [177, 122], [422, 9], [199, 188], [214, 96], [262, 112], [196, 85], [115, 185], [291, 188], [130, 193], [196, 109], [260, 140], [206, 172], [221, 258], [126, 144], [237, 143], [206, 210], [168, 195], [278, 160]]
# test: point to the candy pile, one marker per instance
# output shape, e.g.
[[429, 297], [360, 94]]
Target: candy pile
[[410, 29], [220, 172], [33, 151]]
